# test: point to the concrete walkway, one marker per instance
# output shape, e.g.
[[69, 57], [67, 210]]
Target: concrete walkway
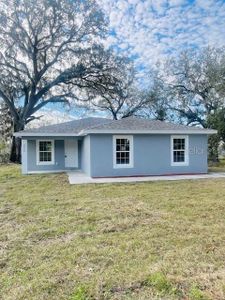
[[81, 178]]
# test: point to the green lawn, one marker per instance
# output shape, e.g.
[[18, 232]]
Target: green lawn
[[217, 167], [156, 240]]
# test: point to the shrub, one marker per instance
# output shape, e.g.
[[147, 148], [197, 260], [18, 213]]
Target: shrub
[[4, 152]]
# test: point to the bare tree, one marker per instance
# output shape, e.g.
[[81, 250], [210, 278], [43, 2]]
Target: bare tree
[[157, 105], [51, 52], [128, 103], [129, 99], [5, 132], [195, 84], [5, 122]]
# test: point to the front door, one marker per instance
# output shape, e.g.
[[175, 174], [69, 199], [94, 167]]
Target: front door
[[71, 153]]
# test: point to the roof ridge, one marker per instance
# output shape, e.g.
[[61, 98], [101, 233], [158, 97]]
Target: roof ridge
[[96, 126], [112, 121], [130, 117]]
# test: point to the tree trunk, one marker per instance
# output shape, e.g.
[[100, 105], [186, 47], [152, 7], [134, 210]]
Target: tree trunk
[[15, 153]]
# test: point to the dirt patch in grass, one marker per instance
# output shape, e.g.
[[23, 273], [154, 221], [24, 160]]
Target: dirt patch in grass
[[156, 240]]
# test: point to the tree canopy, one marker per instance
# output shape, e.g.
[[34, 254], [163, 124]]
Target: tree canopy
[[195, 83], [193, 86], [51, 52]]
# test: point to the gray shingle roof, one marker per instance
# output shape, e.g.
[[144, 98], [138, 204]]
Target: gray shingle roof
[[103, 125], [134, 123], [71, 127]]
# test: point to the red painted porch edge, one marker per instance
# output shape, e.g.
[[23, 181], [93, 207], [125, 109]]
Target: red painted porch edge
[[161, 175]]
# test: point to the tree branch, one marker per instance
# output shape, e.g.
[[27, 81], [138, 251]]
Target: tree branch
[[10, 105], [55, 99]]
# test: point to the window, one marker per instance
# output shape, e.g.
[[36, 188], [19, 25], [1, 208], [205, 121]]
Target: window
[[123, 151], [45, 152], [179, 150]]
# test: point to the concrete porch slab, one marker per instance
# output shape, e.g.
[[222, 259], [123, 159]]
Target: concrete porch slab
[[78, 177]]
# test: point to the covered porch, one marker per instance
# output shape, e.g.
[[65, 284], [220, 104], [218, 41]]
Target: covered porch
[[51, 154]]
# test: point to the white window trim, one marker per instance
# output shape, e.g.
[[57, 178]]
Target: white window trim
[[186, 153], [122, 166], [43, 163]]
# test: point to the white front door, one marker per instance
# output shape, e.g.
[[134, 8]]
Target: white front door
[[71, 153]]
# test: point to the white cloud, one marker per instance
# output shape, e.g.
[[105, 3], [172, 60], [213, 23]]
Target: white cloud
[[154, 29], [159, 6], [133, 2]]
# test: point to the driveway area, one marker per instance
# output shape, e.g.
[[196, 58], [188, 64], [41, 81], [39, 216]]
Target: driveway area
[[81, 178]]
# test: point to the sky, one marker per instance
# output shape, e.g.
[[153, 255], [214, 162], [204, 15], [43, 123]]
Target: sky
[[152, 30], [149, 31]]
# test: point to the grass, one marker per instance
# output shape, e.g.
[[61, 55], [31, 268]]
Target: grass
[[153, 240], [217, 166]]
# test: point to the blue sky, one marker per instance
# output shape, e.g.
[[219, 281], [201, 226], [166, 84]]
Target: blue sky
[[152, 30]]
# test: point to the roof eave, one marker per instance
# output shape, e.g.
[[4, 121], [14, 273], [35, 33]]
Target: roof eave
[[120, 131], [46, 134], [112, 131]]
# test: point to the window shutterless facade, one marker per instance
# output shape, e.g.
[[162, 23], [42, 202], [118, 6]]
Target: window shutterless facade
[[179, 150], [123, 151], [45, 152]]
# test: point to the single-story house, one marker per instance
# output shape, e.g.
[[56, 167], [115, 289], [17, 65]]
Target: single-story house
[[101, 147]]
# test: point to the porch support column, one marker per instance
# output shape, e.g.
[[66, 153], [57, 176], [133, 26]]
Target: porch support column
[[24, 156]]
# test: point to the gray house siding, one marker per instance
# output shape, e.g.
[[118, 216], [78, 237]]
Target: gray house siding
[[59, 164], [152, 156], [59, 157]]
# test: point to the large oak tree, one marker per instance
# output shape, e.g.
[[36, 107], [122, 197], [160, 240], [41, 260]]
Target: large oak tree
[[132, 98], [195, 81], [193, 88], [51, 51]]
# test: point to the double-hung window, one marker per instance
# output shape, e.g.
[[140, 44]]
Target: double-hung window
[[45, 152], [123, 151], [179, 150]]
